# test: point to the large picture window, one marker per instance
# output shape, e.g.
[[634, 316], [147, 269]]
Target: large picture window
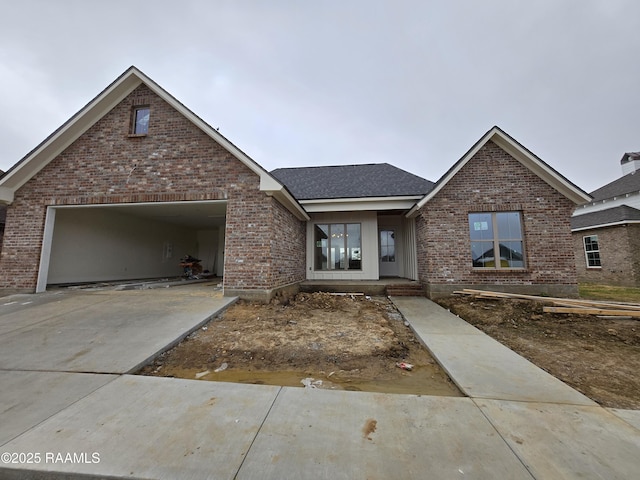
[[338, 246], [496, 240], [592, 251]]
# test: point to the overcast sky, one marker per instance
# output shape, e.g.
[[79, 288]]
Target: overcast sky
[[295, 83]]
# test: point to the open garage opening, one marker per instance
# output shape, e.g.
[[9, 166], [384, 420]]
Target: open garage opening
[[106, 243]]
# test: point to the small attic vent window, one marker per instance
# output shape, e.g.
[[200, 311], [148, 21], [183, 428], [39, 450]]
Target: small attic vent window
[[140, 121]]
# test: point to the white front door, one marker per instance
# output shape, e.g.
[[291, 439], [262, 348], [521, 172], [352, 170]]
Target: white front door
[[388, 253]]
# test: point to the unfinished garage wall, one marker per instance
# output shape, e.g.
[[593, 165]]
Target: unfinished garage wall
[[97, 244], [208, 249]]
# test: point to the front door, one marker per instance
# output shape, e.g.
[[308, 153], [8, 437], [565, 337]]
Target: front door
[[388, 258]]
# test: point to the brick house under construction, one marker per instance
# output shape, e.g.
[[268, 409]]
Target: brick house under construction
[[135, 180]]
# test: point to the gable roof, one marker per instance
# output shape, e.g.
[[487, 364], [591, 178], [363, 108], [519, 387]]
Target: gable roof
[[522, 155], [630, 183], [620, 215], [351, 181], [111, 96]]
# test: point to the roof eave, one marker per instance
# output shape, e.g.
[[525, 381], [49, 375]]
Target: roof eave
[[522, 155], [272, 187], [6, 196], [65, 135], [603, 225]]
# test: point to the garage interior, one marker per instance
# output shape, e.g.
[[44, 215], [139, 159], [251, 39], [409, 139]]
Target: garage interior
[[105, 243]]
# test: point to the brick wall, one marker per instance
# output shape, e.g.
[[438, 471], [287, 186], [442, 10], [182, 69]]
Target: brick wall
[[176, 161], [494, 181], [619, 255]]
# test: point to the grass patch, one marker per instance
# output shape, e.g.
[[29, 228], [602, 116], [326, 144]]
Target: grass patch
[[609, 292]]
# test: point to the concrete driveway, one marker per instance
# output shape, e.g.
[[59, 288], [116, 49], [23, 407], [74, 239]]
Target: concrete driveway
[[102, 331], [113, 425]]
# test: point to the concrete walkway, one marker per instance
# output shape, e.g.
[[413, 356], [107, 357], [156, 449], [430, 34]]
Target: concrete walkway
[[124, 426]]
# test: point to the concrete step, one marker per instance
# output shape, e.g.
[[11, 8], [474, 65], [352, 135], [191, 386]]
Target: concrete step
[[405, 290]]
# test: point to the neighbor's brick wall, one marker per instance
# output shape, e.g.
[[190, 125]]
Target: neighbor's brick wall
[[176, 161], [619, 255], [494, 181]]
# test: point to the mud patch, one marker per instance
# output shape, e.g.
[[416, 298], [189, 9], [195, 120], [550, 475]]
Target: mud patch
[[346, 342], [600, 357], [369, 427]]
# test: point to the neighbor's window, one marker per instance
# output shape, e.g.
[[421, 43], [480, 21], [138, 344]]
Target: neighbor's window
[[338, 246], [140, 121], [592, 251], [496, 240]]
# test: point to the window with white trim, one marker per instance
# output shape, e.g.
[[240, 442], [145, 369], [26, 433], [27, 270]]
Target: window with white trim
[[496, 240], [592, 251]]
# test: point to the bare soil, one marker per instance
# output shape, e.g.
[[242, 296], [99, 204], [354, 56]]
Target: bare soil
[[599, 357], [347, 342]]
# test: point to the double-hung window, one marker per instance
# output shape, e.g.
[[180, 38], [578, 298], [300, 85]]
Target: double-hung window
[[496, 240], [338, 246], [592, 251]]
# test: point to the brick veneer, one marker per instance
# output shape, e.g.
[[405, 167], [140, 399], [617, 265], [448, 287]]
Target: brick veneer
[[494, 181], [619, 254], [176, 161]]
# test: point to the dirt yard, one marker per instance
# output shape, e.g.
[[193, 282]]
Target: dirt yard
[[600, 357], [327, 341]]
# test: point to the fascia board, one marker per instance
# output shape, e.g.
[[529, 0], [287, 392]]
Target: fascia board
[[526, 158], [452, 172], [205, 127], [6, 196], [68, 133], [268, 184], [603, 225], [345, 206], [360, 199], [542, 170]]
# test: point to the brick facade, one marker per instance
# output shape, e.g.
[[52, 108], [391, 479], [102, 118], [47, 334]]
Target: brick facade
[[176, 161], [493, 181], [619, 254]]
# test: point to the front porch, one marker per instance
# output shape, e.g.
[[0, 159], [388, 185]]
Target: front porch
[[384, 286]]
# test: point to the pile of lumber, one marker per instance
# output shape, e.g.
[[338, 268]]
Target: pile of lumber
[[564, 305]]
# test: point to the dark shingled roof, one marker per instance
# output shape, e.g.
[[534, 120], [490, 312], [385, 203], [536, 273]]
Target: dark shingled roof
[[351, 181], [628, 184], [621, 214]]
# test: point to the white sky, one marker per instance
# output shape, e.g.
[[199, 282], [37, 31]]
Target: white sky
[[414, 83]]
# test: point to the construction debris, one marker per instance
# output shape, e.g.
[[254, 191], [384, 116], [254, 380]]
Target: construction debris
[[563, 305]]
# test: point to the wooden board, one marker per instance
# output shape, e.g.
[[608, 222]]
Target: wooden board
[[565, 302], [592, 311]]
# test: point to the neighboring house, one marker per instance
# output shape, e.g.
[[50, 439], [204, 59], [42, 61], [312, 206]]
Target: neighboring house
[[606, 231], [135, 180]]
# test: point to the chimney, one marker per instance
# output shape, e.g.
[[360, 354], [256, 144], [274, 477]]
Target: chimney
[[630, 162]]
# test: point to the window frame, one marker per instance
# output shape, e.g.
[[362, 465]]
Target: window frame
[[496, 241], [344, 232], [133, 132], [595, 251]]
